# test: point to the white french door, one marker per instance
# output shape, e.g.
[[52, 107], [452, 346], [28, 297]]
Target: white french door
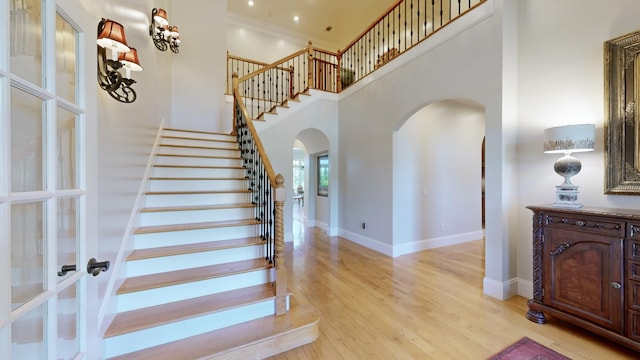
[[42, 184]]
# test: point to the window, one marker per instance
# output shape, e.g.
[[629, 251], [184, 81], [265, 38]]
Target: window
[[323, 175]]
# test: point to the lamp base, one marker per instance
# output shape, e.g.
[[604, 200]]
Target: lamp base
[[567, 196]]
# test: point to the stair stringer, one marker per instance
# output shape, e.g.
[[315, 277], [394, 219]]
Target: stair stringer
[[293, 107], [108, 308]]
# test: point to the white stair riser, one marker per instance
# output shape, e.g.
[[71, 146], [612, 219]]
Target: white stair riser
[[146, 241], [186, 151], [208, 136], [185, 217], [201, 161], [198, 151], [186, 328], [152, 297], [187, 261], [197, 142], [185, 172], [196, 199], [197, 185]]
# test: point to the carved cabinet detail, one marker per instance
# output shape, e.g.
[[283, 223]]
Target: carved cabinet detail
[[586, 269]]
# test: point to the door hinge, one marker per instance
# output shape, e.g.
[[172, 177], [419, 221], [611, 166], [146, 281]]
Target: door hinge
[[542, 292]]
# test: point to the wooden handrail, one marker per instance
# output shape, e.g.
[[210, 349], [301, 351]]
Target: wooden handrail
[[274, 65], [234, 57], [374, 23], [263, 154]]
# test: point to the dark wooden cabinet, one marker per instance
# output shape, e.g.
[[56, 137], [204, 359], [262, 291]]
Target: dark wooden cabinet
[[586, 270]]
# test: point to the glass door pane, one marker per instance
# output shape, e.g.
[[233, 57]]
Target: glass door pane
[[67, 323], [27, 252], [27, 169], [27, 335], [66, 159], [67, 240], [66, 37], [26, 39]]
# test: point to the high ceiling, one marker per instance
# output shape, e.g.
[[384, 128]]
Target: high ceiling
[[347, 18]]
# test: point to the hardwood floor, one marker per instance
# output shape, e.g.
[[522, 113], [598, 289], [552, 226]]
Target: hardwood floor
[[427, 305]]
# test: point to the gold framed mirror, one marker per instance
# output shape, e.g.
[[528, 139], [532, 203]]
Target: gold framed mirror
[[622, 118]]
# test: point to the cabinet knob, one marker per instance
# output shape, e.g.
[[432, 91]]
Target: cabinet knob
[[616, 285]]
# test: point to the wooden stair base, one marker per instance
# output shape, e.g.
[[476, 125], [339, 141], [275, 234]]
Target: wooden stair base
[[256, 339]]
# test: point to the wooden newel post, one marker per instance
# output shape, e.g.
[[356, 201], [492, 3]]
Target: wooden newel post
[[310, 65], [234, 87], [281, 273]]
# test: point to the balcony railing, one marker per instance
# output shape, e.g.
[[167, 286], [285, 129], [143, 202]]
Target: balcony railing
[[404, 25]]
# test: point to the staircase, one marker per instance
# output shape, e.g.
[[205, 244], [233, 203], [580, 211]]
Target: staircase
[[198, 285]]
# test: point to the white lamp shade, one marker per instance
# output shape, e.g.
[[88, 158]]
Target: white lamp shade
[[569, 138]]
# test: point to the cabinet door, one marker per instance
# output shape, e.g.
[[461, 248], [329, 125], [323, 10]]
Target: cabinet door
[[583, 276]]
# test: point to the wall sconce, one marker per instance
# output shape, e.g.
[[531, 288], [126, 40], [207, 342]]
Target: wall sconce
[[111, 39], [163, 35], [566, 140]]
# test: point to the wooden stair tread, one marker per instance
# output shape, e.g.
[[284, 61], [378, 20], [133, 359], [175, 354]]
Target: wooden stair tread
[[194, 226], [196, 192], [202, 156], [192, 248], [256, 339], [198, 147], [158, 315], [196, 207], [197, 166], [158, 280], [198, 178], [198, 131], [198, 139]]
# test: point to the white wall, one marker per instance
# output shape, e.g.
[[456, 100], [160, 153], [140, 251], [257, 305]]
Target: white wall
[[437, 192], [198, 72], [456, 64], [561, 81], [320, 115]]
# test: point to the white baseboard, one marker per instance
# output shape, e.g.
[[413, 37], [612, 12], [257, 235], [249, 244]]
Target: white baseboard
[[416, 246], [525, 288], [500, 290], [367, 242]]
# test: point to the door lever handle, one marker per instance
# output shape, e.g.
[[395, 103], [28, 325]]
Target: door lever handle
[[65, 269], [95, 267]]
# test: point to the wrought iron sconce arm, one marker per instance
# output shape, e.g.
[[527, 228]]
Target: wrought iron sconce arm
[[110, 78]]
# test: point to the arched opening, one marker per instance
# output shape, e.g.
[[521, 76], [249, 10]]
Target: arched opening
[[310, 206], [437, 177]]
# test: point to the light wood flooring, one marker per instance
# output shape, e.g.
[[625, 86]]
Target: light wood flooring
[[427, 305]]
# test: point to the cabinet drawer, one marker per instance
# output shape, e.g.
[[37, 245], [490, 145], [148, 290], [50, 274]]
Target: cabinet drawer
[[633, 325], [634, 231], [633, 295], [633, 250], [603, 226], [633, 270]]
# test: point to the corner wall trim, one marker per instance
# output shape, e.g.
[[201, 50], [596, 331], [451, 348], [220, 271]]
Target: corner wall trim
[[500, 290]]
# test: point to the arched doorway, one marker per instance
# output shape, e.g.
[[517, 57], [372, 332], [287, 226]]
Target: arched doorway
[[437, 177]]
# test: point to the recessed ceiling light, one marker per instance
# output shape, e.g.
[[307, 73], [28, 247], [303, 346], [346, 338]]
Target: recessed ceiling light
[[250, 3], [296, 18]]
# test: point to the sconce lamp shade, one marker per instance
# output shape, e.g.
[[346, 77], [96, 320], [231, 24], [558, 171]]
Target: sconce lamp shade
[[130, 60], [569, 139], [160, 16], [111, 35]]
